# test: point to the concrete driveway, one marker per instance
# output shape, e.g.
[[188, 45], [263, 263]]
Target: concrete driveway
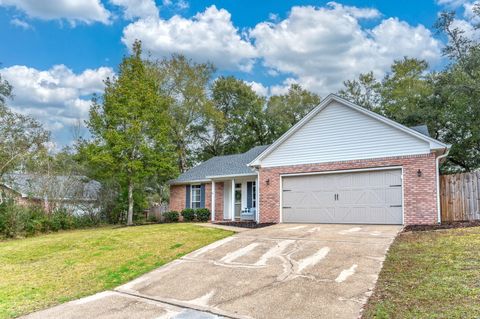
[[282, 271]]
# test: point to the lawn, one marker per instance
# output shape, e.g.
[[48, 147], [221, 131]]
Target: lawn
[[46, 270], [432, 274]]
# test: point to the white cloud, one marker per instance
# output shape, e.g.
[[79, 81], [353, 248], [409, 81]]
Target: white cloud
[[359, 13], [468, 10], [452, 3], [182, 4], [208, 36], [273, 16], [87, 11], [258, 88], [468, 20], [321, 47], [57, 97], [280, 89], [468, 28], [137, 8], [177, 4], [20, 23]]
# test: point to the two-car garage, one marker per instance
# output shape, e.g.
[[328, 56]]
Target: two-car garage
[[356, 197]]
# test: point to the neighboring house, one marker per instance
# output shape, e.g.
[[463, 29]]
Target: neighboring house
[[340, 164], [77, 194]]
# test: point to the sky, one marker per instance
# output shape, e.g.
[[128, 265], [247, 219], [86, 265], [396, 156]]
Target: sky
[[57, 53]]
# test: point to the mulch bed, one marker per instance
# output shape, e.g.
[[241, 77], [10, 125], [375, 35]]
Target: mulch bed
[[243, 224], [442, 226]]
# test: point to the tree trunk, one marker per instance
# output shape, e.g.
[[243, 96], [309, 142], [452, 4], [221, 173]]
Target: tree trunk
[[130, 204]]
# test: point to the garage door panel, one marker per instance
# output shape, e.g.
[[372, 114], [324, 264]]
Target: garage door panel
[[322, 197], [292, 198], [305, 215], [363, 197], [394, 196]]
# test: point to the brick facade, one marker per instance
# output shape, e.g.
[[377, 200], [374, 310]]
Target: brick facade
[[178, 198], [219, 201], [420, 193]]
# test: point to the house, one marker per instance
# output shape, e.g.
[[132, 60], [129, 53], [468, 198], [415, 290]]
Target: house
[[340, 164], [77, 194]]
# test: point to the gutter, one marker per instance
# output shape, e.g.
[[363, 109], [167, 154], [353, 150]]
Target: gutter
[[232, 175], [437, 165], [175, 182]]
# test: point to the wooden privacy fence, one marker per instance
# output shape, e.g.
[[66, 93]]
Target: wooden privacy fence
[[460, 197]]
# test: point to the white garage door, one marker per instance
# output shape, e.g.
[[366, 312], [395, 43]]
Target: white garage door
[[367, 197]]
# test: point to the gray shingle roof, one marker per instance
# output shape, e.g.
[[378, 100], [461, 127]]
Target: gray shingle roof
[[221, 165], [60, 187], [422, 129]]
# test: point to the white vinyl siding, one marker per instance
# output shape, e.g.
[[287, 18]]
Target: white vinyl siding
[[340, 133]]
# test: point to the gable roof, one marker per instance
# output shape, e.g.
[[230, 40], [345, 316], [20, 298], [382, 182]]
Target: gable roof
[[221, 166], [61, 187], [417, 133], [423, 129]]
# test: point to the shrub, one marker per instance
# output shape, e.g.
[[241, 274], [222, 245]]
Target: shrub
[[203, 214], [152, 219], [33, 220], [60, 219], [188, 214], [86, 220], [171, 217], [11, 219]]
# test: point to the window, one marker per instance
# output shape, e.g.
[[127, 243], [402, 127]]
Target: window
[[254, 194], [238, 193], [196, 194]]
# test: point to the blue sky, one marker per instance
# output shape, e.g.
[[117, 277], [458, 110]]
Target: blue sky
[[57, 53]]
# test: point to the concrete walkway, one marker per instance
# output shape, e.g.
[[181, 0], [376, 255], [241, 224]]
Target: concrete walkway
[[282, 271]]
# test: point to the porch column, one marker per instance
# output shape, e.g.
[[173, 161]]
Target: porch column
[[257, 188], [213, 201], [232, 204]]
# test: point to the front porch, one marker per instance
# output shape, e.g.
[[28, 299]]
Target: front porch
[[234, 198]]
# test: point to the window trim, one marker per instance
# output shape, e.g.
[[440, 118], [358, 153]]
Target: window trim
[[193, 188], [254, 194]]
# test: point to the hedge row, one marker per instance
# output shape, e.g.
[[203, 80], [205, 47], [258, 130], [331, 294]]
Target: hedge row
[[16, 220], [188, 214]]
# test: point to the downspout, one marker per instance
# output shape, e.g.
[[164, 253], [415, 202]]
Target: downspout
[[437, 164]]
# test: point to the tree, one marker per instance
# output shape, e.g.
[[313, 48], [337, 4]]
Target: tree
[[446, 101], [129, 127], [458, 89], [237, 121], [283, 111], [364, 92], [5, 91], [20, 136], [184, 84], [405, 92]]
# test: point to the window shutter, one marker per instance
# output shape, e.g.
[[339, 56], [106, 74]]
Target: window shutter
[[202, 196], [187, 197], [249, 194]]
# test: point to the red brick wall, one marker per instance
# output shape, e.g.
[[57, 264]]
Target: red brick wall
[[219, 201], [208, 196], [420, 201], [178, 194], [177, 197]]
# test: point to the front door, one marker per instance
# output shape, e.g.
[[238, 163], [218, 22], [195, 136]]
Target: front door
[[238, 200]]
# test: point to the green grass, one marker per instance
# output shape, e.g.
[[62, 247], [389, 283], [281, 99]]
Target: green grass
[[434, 274], [46, 270]]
